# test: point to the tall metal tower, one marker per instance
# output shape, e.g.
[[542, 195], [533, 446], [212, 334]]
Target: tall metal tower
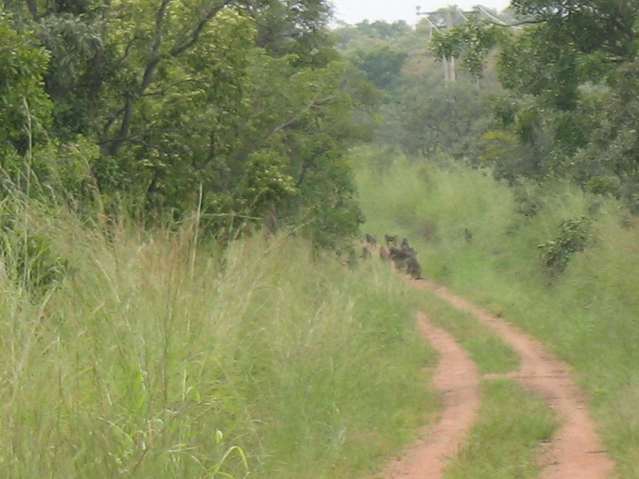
[[449, 17]]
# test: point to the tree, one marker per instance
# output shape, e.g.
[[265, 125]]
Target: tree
[[382, 65], [569, 109], [241, 108], [435, 117], [25, 111]]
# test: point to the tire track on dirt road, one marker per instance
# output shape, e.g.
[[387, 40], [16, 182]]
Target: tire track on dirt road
[[575, 451], [457, 378]]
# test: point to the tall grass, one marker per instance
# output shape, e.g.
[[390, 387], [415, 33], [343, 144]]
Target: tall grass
[[589, 314], [153, 358]]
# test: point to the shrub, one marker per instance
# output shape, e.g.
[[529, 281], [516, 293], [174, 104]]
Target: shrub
[[574, 235], [27, 255]]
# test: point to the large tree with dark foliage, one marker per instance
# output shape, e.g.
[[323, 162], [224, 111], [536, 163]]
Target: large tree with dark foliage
[[239, 107]]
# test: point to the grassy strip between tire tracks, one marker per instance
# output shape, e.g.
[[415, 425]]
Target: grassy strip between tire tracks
[[486, 349], [505, 442]]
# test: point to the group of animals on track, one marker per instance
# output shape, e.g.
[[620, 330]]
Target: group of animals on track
[[575, 450], [401, 254]]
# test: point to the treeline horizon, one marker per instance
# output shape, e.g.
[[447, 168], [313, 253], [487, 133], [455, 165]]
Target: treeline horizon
[[242, 110], [245, 110], [553, 97]]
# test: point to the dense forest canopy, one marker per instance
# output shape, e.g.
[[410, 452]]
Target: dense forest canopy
[[244, 109], [549, 91], [241, 108]]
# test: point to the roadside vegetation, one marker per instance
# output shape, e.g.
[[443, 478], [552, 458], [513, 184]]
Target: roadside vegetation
[[176, 211], [150, 356], [586, 310]]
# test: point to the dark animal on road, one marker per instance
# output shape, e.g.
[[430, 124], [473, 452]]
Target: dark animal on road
[[413, 268], [407, 248], [405, 259]]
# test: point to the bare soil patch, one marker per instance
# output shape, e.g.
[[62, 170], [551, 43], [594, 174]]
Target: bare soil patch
[[575, 452], [457, 378]]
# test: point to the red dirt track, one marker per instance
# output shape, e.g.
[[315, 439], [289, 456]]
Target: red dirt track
[[575, 451], [457, 379]]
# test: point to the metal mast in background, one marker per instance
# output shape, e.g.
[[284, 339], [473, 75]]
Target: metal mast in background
[[440, 20], [449, 17]]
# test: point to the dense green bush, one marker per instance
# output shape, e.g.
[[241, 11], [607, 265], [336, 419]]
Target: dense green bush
[[573, 237], [29, 258], [26, 108], [240, 110]]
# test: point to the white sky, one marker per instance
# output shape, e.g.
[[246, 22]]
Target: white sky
[[354, 11]]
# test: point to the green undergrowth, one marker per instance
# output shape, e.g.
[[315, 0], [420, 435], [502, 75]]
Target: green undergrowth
[[490, 242], [148, 357], [486, 349], [506, 441]]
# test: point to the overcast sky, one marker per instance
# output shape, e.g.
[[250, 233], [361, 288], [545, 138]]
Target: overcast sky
[[354, 11]]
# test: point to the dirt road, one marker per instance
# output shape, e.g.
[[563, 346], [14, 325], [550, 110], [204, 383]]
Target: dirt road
[[575, 452], [457, 379]]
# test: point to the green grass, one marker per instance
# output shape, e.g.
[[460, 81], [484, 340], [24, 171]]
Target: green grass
[[505, 442], [486, 349], [587, 315], [155, 359]]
